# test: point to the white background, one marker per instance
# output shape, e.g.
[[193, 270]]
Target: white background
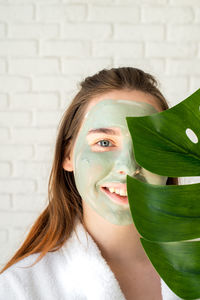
[[46, 48]]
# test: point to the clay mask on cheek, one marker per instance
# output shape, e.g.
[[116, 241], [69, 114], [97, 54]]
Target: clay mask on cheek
[[103, 154]]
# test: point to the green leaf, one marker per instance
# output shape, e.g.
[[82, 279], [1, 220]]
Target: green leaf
[[168, 216], [163, 137], [165, 213], [179, 264]]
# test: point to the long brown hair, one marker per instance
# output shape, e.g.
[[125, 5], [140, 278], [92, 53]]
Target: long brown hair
[[55, 224]]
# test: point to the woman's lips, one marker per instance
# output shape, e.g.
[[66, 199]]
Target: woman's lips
[[123, 200]]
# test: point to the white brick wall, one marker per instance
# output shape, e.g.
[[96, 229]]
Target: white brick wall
[[46, 48]]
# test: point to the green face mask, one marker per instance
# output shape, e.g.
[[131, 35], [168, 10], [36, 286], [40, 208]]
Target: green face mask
[[103, 156]]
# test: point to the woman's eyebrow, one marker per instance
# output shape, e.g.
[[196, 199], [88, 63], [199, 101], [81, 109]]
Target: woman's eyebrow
[[103, 130]]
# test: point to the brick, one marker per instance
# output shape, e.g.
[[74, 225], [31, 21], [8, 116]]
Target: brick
[[185, 2], [2, 66], [16, 219], [29, 202], [3, 236], [148, 65], [183, 67], [44, 152], [6, 252], [17, 235], [31, 1], [16, 152], [17, 186], [33, 135], [65, 48], [197, 14], [48, 118], [86, 31], [125, 49], [91, 1], [14, 84], [34, 30], [3, 101], [114, 13], [30, 170], [167, 14], [67, 98], [35, 101], [167, 49], [11, 12], [5, 169], [2, 30], [56, 83], [18, 48], [185, 33], [34, 66], [62, 12], [138, 32], [174, 84], [194, 83], [175, 97], [4, 135], [42, 186], [84, 66], [5, 201], [139, 2], [15, 118]]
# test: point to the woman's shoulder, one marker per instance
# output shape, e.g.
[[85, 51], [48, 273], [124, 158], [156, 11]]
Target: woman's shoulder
[[17, 268], [76, 271], [13, 280], [27, 265], [24, 278]]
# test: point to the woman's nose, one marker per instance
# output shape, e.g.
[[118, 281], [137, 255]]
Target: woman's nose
[[129, 170], [126, 163], [121, 172]]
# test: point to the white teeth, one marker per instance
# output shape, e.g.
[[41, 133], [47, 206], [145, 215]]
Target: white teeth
[[112, 190], [118, 191], [122, 193]]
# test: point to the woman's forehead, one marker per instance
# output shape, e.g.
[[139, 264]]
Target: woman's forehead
[[109, 112], [126, 94]]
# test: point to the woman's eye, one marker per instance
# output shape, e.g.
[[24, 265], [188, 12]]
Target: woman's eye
[[105, 143]]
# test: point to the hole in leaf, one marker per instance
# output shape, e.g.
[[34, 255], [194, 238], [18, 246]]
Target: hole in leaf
[[191, 135]]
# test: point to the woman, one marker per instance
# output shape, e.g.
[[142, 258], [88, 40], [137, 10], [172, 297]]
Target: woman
[[85, 245]]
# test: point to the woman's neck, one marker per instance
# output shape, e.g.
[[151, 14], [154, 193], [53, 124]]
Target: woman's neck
[[118, 244]]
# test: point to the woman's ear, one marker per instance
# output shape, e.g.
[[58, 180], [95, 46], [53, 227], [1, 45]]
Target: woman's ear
[[68, 160], [68, 164]]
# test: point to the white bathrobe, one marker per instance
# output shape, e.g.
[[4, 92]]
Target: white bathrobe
[[77, 271]]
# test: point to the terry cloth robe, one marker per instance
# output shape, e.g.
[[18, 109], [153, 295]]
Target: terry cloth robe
[[77, 271]]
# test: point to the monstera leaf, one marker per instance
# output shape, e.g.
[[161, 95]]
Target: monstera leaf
[[168, 216]]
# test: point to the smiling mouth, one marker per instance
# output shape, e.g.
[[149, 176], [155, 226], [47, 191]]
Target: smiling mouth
[[116, 197]]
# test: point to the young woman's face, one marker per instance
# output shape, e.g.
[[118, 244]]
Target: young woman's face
[[103, 153]]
